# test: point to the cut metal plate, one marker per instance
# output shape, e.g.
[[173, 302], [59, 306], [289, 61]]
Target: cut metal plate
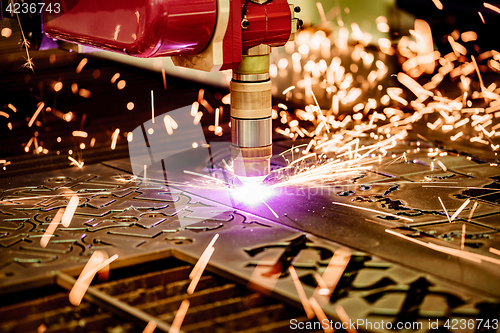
[[142, 221]]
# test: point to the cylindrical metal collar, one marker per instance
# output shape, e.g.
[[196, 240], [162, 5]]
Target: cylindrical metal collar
[[251, 77], [251, 132]]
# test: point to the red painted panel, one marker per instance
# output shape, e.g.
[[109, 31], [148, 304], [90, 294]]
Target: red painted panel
[[142, 28], [232, 39], [270, 23]]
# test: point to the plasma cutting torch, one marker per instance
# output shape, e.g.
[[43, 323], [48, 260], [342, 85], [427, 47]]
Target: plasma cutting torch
[[208, 35]]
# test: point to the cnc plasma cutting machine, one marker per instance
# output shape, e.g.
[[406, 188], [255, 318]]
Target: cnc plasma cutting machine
[[381, 201], [208, 35]]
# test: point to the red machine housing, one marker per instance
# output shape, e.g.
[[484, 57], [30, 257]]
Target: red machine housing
[[144, 28], [141, 28], [268, 24]]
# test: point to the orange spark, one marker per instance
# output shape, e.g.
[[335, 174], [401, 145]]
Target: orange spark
[[40, 107], [392, 232], [483, 88], [58, 86], [25, 43], [438, 4], [441, 165], [121, 84], [80, 287], [320, 314], [332, 274], [152, 106], [288, 89], [460, 209], [265, 275], [51, 228], [217, 128], [70, 211], [164, 78], [150, 327], [179, 317], [493, 8], [461, 122], [302, 295], [394, 94], [495, 251], [462, 254], [6, 32], [272, 211], [80, 66], [84, 93], [200, 265], [345, 318], [201, 94], [197, 118], [472, 210], [320, 114], [373, 211], [425, 46], [194, 108], [103, 266], [481, 17], [442, 204], [114, 138], [75, 162], [321, 12], [28, 145], [462, 242], [207, 106], [81, 134], [170, 124], [468, 36], [115, 77], [457, 48], [323, 287], [36, 144], [413, 85], [205, 253]]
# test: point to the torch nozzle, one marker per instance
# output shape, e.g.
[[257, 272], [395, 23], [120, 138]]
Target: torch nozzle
[[249, 181], [251, 165], [251, 110]]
